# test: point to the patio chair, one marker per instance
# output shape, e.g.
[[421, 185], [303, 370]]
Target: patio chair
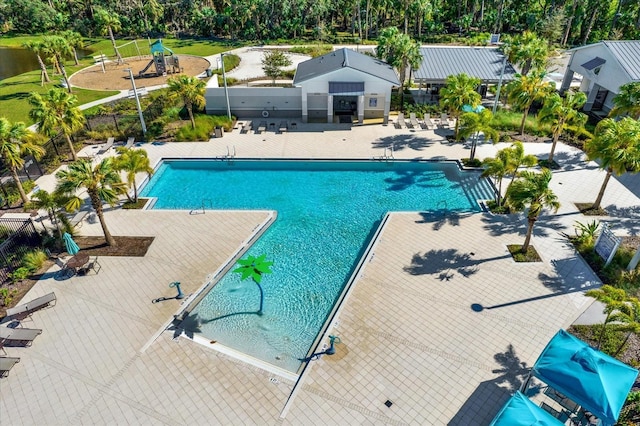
[[427, 123], [400, 123], [414, 120], [25, 335], [246, 128], [284, 126], [444, 120], [26, 309], [262, 127], [6, 364], [130, 142], [107, 146], [92, 265]]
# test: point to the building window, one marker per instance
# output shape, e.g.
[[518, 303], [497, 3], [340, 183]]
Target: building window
[[373, 102]]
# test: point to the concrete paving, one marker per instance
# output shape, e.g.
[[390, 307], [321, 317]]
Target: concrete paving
[[441, 322]]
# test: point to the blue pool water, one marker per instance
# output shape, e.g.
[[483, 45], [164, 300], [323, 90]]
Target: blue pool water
[[327, 211]]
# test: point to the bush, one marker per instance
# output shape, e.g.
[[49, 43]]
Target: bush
[[34, 260], [19, 274], [204, 128], [313, 50], [6, 296]]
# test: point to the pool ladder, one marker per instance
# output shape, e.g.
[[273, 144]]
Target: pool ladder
[[205, 202], [387, 155], [231, 153]]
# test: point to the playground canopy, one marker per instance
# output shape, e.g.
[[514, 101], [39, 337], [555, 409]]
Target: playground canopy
[[596, 381], [520, 411]]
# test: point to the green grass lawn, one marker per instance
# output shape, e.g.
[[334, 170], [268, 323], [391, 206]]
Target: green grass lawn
[[14, 91]]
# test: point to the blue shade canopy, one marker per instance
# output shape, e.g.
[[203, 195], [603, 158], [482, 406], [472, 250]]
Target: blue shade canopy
[[70, 245], [469, 108], [589, 377], [520, 411]]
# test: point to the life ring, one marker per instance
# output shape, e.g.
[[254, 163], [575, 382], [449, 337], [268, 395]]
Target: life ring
[[265, 114]]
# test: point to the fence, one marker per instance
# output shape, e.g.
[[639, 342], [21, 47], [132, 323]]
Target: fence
[[18, 237]]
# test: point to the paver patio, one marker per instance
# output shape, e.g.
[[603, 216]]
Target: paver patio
[[408, 330]]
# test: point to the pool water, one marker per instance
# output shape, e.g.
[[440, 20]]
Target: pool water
[[327, 212]]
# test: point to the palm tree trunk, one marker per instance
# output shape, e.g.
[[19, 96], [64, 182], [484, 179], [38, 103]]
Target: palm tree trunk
[[525, 113], [135, 191], [626, 339], [43, 71], [499, 194], [553, 147], [16, 179], [64, 73], [596, 204], [73, 151], [113, 43], [527, 239], [75, 56], [261, 298], [96, 202], [604, 328], [193, 121]]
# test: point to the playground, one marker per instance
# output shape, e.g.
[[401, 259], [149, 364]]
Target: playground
[[115, 76]]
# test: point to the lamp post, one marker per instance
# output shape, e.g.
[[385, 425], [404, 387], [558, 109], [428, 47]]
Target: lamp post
[[495, 103], [226, 90], [135, 93]]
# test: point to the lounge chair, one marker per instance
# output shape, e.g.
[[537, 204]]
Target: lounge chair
[[76, 220], [246, 128], [284, 126], [130, 142], [400, 123], [6, 364], [414, 120], [444, 120], [26, 309], [262, 127], [427, 123], [25, 335], [107, 146]]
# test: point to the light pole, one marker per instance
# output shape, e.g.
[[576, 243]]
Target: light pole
[[135, 93], [495, 103], [226, 90]]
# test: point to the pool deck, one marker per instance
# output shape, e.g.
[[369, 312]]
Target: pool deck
[[409, 333]]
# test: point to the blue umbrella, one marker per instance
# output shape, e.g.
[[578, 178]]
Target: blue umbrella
[[70, 245], [469, 108]]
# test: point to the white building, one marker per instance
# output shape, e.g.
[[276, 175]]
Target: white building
[[604, 67], [341, 86]]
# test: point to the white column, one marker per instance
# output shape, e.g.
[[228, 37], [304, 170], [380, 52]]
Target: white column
[[360, 109], [329, 108], [387, 106], [305, 105], [591, 97]]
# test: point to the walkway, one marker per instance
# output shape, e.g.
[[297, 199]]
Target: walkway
[[409, 333]]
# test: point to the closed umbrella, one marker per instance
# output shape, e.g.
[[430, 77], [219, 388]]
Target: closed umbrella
[[70, 245]]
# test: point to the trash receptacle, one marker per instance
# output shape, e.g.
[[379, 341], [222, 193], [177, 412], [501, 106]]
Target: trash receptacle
[[218, 132], [209, 72]]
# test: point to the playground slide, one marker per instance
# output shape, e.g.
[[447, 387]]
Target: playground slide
[[146, 68]]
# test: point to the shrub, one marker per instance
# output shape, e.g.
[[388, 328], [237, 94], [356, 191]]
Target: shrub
[[34, 260], [313, 50], [6, 296], [204, 127], [19, 274]]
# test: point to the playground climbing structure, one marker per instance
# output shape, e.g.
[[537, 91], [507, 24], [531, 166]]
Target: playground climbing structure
[[163, 60]]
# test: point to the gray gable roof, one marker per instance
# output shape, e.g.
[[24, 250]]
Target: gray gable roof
[[482, 62], [627, 53], [342, 58]]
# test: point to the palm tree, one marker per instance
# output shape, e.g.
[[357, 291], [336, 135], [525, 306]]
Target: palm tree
[[517, 159], [102, 182], [459, 90], [74, 40], [59, 48], [472, 123], [527, 50], [55, 112], [108, 22], [627, 101], [532, 190], [615, 144], [400, 51], [37, 47], [525, 90], [561, 113], [497, 168], [51, 202], [627, 319], [190, 90], [613, 298], [15, 142], [132, 161], [253, 267]]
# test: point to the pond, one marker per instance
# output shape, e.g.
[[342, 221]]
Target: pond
[[16, 60]]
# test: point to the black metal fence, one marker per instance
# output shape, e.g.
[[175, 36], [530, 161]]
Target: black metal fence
[[17, 236]]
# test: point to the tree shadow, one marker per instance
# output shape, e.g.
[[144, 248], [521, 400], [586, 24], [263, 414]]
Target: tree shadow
[[625, 212], [16, 95], [409, 178], [517, 224], [569, 161], [188, 325], [631, 181], [445, 263], [441, 217], [403, 141], [489, 397]]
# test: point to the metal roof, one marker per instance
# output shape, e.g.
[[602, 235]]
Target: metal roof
[[342, 58], [627, 52], [484, 63]]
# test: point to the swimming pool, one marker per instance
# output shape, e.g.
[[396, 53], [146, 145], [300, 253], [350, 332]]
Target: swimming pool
[[327, 211]]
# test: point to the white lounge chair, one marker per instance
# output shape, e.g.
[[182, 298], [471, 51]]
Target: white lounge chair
[[414, 120], [427, 123], [6, 364], [444, 120], [26, 309], [107, 146], [25, 335], [400, 123], [130, 142], [284, 126], [246, 128]]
